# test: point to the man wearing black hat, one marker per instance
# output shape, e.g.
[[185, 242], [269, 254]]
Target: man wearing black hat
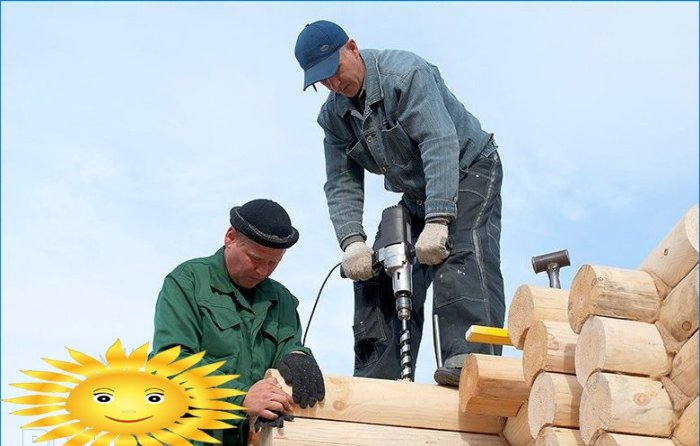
[[227, 306], [390, 113]]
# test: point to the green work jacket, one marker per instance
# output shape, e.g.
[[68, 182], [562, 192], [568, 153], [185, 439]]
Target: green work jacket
[[200, 309]]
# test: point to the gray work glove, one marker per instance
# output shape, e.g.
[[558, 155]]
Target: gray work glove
[[357, 261], [431, 247]]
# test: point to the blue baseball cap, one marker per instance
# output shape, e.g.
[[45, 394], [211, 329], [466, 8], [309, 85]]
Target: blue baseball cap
[[318, 50]]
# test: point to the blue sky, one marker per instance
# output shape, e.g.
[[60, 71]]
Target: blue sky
[[130, 129]]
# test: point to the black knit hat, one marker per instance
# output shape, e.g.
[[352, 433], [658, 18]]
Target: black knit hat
[[265, 222]]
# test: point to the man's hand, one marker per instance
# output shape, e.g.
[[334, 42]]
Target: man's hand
[[278, 422], [357, 261], [302, 373], [431, 247], [266, 399]]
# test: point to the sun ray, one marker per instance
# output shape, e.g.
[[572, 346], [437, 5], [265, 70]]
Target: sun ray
[[214, 415], [74, 368], [162, 359], [189, 429], [147, 440], [170, 439], [105, 439], [181, 365], [43, 387], [116, 356], [53, 420], [35, 399], [125, 440], [83, 359], [51, 376], [67, 430], [82, 438], [199, 372], [213, 394], [39, 410], [139, 356], [216, 405], [215, 381]]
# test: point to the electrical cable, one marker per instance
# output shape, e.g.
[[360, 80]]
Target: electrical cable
[[308, 324]]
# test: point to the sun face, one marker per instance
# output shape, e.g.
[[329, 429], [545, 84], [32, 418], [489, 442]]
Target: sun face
[[128, 399]]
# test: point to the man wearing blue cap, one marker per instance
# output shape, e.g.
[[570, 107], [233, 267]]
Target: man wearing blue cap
[[227, 306], [389, 112]]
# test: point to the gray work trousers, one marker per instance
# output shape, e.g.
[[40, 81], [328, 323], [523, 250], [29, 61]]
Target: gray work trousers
[[467, 286]]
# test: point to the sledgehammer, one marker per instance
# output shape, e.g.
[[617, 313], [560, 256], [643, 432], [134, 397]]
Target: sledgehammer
[[551, 263]]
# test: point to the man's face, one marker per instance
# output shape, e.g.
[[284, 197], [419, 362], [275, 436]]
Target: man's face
[[350, 75], [248, 263]]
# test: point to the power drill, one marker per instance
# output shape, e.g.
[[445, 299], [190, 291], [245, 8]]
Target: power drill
[[394, 252]]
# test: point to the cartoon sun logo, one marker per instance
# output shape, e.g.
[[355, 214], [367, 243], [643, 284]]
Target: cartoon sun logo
[[163, 400]]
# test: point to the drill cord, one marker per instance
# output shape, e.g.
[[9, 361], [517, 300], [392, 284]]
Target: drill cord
[[308, 324]]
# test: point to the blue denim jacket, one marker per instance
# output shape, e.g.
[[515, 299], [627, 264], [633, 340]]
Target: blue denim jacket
[[413, 131]]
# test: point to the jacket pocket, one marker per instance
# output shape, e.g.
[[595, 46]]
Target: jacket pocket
[[221, 331], [399, 145], [360, 153], [369, 336]]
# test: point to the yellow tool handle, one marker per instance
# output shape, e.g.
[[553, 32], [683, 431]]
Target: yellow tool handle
[[487, 335]]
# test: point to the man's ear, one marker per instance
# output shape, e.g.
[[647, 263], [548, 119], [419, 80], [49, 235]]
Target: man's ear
[[352, 46], [230, 236]]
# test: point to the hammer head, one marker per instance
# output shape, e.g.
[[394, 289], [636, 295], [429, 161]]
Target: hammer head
[[559, 258]]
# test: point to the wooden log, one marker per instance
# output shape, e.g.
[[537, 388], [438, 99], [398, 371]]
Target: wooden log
[[395, 403], [684, 371], [531, 304], [686, 433], [559, 436], [617, 345], [612, 292], [624, 404], [610, 439], [315, 432], [677, 253], [492, 385], [549, 346], [678, 315], [517, 430], [554, 401]]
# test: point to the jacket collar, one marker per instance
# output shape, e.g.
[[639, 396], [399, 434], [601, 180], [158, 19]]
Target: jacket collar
[[221, 282], [373, 85]]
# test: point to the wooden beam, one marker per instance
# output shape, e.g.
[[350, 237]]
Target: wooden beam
[[554, 401], [686, 433], [487, 335], [550, 346], [395, 403], [620, 346], [559, 436], [625, 404], [684, 372], [673, 258], [531, 304], [612, 292], [492, 385], [315, 432], [517, 429], [679, 312], [611, 439]]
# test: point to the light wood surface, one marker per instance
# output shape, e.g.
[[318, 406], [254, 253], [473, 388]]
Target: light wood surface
[[531, 304], [679, 311], [612, 292], [624, 404], [673, 258], [492, 385], [517, 429], [610, 439], [684, 372], [549, 346], [394, 403], [687, 430], [617, 345], [554, 401], [314, 432], [559, 436]]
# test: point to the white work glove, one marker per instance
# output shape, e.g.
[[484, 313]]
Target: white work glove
[[431, 247], [357, 261]]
